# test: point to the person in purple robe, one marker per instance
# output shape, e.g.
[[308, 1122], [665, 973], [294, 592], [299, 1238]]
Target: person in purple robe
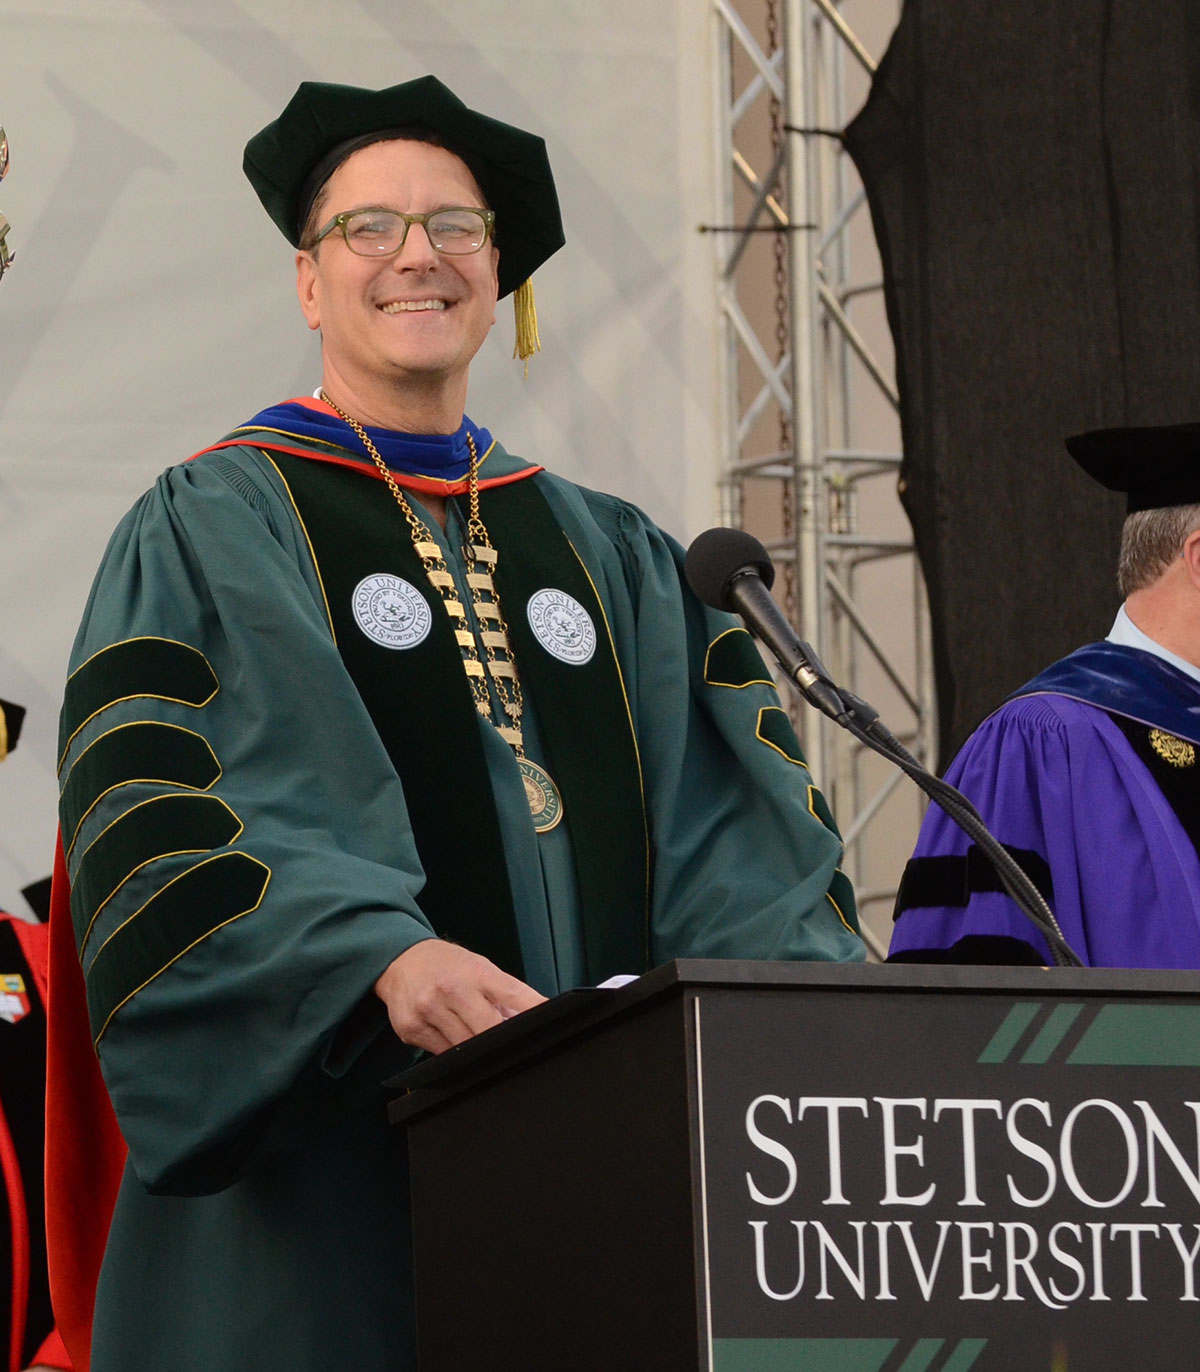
[[1089, 774]]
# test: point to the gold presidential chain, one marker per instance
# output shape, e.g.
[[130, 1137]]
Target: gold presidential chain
[[498, 662]]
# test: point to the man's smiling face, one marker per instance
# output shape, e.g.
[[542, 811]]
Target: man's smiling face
[[415, 319]]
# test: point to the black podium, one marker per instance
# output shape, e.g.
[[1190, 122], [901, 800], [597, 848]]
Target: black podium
[[770, 1167]]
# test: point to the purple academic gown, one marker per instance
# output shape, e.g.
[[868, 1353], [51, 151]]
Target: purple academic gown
[[1057, 780]]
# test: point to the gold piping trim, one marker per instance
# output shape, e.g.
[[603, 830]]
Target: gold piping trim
[[154, 800], [287, 433], [190, 946], [637, 752], [138, 638], [796, 762], [311, 550], [838, 908], [733, 686], [137, 695], [3, 734], [812, 810], [195, 867], [134, 781]]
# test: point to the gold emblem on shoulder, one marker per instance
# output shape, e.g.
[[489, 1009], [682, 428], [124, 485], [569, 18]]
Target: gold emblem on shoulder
[[1175, 751]]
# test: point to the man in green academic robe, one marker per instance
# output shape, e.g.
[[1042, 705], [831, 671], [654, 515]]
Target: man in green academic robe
[[375, 736]]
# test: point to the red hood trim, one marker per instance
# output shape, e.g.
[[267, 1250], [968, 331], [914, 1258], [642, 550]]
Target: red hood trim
[[422, 485]]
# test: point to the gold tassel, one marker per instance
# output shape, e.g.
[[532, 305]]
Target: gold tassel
[[528, 341]]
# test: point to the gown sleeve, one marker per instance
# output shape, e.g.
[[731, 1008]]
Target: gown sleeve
[[1022, 771], [746, 852], [1057, 781], [241, 864]]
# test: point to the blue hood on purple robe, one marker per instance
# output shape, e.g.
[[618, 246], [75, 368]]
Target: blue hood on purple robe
[[1125, 681]]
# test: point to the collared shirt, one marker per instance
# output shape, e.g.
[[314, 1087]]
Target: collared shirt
[[1126, 632]]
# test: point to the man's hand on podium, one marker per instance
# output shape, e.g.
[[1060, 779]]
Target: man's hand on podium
[[438, 994]]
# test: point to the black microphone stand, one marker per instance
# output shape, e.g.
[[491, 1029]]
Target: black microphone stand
[[730, 570], [862, 721]]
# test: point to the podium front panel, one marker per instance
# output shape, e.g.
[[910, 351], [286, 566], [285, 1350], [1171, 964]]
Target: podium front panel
[[898, 1180], [556, 1226], [793, 1168]]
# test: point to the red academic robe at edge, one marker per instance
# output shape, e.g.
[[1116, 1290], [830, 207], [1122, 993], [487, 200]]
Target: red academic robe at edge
[[27, 1336], [84, 1167]]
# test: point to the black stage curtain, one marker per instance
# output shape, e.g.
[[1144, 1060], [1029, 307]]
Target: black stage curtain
[[1031, 168]]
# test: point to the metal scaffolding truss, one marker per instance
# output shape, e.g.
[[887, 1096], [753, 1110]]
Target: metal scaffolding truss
[[803, 465]]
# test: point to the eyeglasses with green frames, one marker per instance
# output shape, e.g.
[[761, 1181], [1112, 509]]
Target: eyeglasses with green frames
[[454, 230]]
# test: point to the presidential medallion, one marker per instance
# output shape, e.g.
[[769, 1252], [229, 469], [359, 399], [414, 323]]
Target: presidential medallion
[[545, 804], [391, 611], [562, 626], [1177, 752]]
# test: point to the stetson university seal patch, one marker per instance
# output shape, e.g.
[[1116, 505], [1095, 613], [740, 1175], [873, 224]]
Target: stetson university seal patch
[[391, 611], [562, 626]]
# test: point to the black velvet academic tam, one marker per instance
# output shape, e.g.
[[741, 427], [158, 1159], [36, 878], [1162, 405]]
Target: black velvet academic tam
[[321, 118]]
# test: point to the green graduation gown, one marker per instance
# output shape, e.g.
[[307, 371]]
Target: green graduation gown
[[244, 866]]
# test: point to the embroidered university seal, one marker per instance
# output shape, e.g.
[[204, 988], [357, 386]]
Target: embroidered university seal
[[390, 611], [562, 626]]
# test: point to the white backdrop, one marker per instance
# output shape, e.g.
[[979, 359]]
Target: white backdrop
[[151, 305]]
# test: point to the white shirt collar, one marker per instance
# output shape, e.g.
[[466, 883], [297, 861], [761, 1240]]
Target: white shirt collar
[[1126, 632]]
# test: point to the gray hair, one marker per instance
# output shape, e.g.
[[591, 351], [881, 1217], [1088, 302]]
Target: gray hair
[[1150, 541]]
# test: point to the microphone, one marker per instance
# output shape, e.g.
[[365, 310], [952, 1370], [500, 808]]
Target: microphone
[[730, 569]]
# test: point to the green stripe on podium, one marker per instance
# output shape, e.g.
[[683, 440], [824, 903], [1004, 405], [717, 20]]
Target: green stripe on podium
[[837, 1355], [1141, 1036], [1051, 1034], [1007, 1036], [922, 1355], [964, 1355], [801, 1355]]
